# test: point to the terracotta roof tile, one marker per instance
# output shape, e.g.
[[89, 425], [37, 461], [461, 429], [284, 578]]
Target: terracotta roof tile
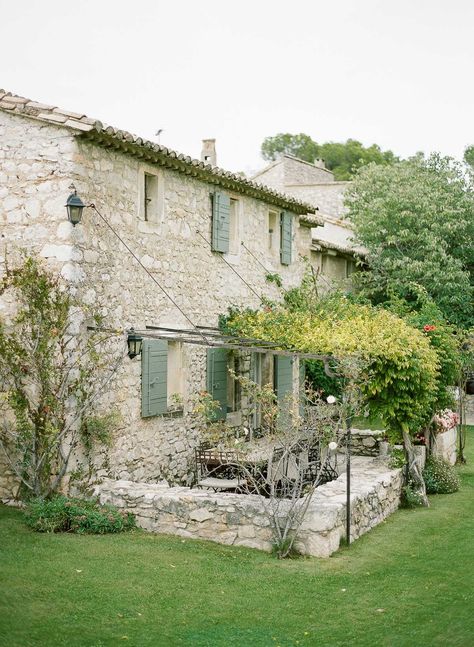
[[105, 135]]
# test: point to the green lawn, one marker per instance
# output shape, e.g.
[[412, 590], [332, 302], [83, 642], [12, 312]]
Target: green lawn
[[408, 582]]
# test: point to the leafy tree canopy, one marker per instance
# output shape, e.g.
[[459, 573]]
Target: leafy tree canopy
[[343, 159], [416, 218], [469, 155]]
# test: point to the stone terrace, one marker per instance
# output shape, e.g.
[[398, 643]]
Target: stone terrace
[[243, 520]]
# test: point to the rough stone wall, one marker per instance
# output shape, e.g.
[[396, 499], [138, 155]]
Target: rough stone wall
[[290, 170], [273, 175], [365, 442], [38, 163], [327, 196], [36, 169], [244, 520], [301, 172]]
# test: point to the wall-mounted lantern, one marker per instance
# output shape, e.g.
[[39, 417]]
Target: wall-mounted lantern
[[74, 206], [134, 342]]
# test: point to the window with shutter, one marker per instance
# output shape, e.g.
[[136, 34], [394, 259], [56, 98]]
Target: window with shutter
[[217, 378], [154, 377], [283, 383], [286, 235], [283, 376], [302, 393], [220, 222]]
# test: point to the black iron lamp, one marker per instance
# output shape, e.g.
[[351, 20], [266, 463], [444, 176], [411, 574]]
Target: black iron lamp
[[134, 342], [74, 207]]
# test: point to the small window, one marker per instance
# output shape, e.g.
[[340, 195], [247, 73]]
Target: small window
[[273, 233], [350, 267], [152, 197]]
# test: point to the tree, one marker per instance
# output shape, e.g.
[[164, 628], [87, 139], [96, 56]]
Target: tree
[[416, 219], [343, 159], [50, 378], [469, 155]]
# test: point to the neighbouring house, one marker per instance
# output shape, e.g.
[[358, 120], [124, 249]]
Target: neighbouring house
[[333, 253], [208, 237]]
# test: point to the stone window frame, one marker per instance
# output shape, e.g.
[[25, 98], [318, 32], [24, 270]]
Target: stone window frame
[[236, 219], [157, 216], [273, 238]]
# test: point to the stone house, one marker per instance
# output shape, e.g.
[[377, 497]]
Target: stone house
[[207, 239], [333, 253]]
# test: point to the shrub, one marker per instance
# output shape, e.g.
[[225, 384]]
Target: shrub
[[440, 477], [410, 497], [62, 514]]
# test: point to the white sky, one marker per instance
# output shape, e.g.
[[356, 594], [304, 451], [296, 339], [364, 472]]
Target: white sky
[[394, 72]]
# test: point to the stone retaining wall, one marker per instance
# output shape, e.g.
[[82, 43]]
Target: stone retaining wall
[[365, 442], [244, 520]]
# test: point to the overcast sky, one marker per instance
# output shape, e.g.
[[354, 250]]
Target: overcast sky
[[396, 73]]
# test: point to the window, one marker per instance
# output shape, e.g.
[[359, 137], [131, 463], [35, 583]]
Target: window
[[273, 233], [162, 377], [350, 267], [152, 197], [225, 223]]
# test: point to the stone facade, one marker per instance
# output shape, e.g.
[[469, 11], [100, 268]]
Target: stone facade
[[244, 520], [41, 154], [333, 252], [289, 171]]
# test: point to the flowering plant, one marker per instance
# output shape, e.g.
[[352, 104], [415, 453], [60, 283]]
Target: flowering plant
[[419, 439], [445, 420], [429, 328]]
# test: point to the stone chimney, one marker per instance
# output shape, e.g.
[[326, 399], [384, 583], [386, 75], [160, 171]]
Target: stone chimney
[[320, 164], [208, 152]]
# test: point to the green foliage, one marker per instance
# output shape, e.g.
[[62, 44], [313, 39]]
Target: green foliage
[[98, 429], [61, 514], [301, 146], [343, 159], [440, 477], [469, 155], [400, 383], [411, 498], [274, 278], [317, 378], [416, 218], [423, 314], [398, 458]]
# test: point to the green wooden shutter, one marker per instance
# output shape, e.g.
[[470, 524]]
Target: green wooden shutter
[[154, 377], [220, 222], [286, 235], [217, 378], [283, 372], [302, 394]]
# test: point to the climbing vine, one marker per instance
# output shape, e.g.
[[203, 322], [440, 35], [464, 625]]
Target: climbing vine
[[52, 373]]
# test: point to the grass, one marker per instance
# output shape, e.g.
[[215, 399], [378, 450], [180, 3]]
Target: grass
[[407, 582]]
